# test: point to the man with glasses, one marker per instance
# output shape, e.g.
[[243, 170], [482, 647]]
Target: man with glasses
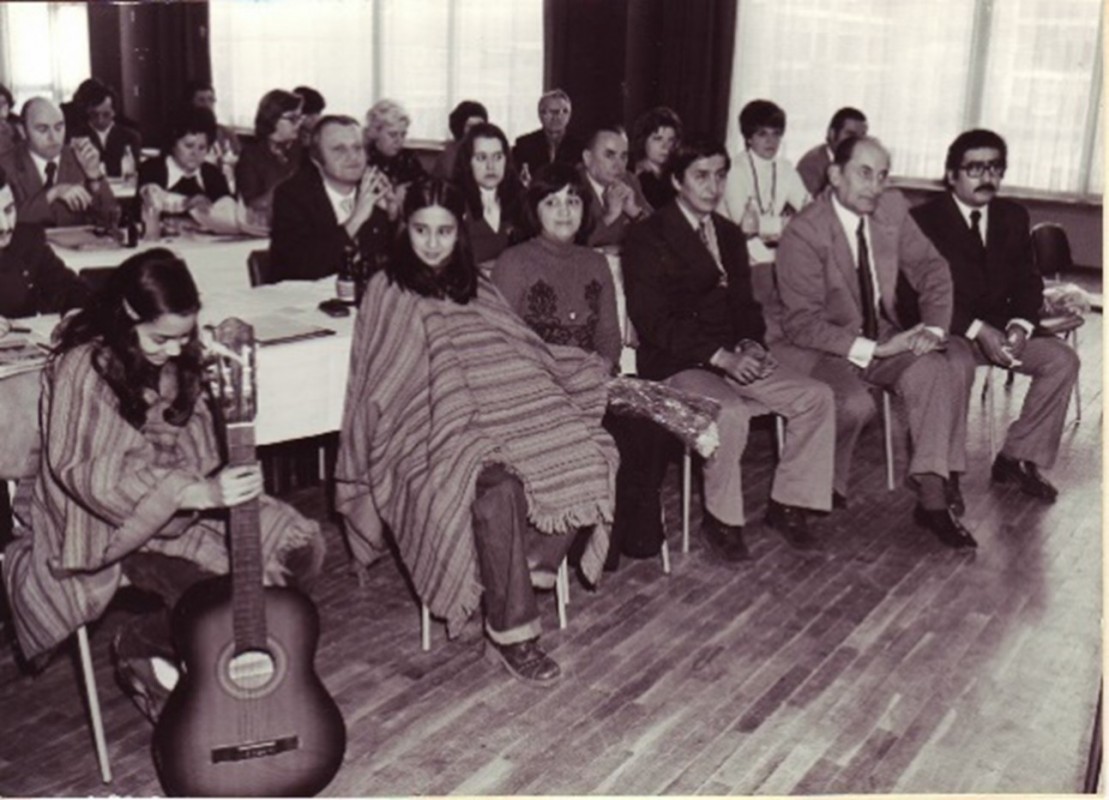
[[111, 139], [838, 266], [998, 295]]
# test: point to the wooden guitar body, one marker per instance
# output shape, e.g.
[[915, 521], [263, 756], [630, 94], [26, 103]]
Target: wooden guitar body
[[215, 737]]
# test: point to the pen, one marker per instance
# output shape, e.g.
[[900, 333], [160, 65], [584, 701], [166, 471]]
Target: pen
[[19, 330]]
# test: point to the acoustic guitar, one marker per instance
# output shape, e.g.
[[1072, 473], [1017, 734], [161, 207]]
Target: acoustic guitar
[[249, 715]]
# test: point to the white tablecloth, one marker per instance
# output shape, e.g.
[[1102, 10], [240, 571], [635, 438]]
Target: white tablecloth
[[301, 385], [215, 262]]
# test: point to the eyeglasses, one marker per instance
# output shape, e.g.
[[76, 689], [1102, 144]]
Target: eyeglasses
[[292, 116], [976, 169]]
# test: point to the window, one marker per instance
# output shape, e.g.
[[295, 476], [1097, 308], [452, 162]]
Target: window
[[426, 54], [50, 54], [925, 70]]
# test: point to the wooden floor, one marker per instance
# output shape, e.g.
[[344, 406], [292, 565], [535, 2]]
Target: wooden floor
[[886, 664]]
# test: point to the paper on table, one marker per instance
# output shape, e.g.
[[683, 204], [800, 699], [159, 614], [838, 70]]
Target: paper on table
[[21, 353], [228, 216], [275, 329]]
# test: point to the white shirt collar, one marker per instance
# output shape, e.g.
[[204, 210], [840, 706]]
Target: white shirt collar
[[850, 222], [598, 188], [40, 165], [174, 173], [966, 210], [337, 199], [103, 137], [691, 217]]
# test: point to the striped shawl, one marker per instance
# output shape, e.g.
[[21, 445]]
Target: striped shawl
[[437, 391], [105, 489]]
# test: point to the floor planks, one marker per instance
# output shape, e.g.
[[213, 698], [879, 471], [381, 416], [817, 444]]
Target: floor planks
[[886, 664]]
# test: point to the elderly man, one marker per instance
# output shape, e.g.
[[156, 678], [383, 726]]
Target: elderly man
[[551, 142], [617, 196], [838, 266], [700, 329], [998, 294], [331, 205], [112, 140], [813, 166], [55, 184]]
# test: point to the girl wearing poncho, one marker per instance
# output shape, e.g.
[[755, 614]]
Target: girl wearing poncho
[[477, 444], [129, 470]]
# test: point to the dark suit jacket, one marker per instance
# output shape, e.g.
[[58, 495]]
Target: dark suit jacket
[[35, 281], [601, 234], [154, 170], [680, 311], [531, 149], [1006, 284], [813, 169], [306, 241], [30, 194], [818, 277], [120, 137]]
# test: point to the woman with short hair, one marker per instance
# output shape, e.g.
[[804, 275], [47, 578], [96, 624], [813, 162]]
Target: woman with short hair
[[275, 154]]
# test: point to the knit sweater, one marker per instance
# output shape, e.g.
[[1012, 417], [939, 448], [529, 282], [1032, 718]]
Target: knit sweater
[[564, 292]]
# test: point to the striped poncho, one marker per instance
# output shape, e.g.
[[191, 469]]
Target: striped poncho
[[437, 391], [105, 489]]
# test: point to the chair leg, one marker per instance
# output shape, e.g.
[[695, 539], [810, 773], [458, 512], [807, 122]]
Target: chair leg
[[562, 592], [887, 432], [93, 697], [987, 396], [780, 434], [425, 628], [1077, 384], [687, 487]]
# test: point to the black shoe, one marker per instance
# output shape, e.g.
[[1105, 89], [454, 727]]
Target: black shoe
[[954, 495], [137, 678], [839, 501], [525, 660], [1025, 474], [947, 528], [724, 540], [791, 522]]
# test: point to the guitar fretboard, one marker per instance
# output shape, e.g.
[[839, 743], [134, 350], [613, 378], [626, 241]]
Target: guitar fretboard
[[244, 532]]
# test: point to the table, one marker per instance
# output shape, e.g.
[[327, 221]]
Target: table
[[216, 262], [301, 385]]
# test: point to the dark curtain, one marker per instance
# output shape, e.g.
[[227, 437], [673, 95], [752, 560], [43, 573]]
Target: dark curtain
[[618, 58], [148, 51]]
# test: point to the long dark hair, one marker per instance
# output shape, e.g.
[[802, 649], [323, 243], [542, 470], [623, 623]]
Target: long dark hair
[[458, 278], [143, 288], [510, 191]]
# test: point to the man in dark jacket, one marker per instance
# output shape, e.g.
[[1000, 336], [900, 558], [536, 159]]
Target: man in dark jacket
[[689, 296]]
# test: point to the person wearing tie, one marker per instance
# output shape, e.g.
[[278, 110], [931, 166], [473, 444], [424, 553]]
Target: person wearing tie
[[182, 168], [839, 261], [688, 286], [998, 295], [617, 196], [55, 184], [331, 204]]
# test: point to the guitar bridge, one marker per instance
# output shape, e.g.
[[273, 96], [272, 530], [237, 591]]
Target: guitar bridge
[[250, 750]]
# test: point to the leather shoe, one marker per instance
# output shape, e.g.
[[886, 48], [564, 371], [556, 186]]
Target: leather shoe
[[954, 495], [791, 522], [525, 660], [724, 540], [1025, 474], [839, 501], [944, 524]]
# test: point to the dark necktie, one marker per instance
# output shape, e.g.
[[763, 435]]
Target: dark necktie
[[188, 186], [708, 237], [866, 285], [976, 228], [51, 172]]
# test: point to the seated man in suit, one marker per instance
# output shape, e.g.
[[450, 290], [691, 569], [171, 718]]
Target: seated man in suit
[[56, 184], [551, 142], [332, 204], [839, 260], [33, 280], [183, 167], [112, 140], [813, 166], [617, 196], [998, 295], [689, 295]]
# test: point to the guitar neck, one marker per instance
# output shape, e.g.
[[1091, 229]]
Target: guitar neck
[[244, 532]]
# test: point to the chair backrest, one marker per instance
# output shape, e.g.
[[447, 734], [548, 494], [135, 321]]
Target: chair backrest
[[1051, 248], [96, 277], [258, 266]]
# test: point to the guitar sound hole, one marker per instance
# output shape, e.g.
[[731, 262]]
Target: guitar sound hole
[[251, 670]]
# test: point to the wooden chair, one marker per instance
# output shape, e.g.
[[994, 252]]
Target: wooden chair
[[258, 267]]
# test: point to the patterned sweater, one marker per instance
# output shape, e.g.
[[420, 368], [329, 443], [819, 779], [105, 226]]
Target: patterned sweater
[[564, 292]]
